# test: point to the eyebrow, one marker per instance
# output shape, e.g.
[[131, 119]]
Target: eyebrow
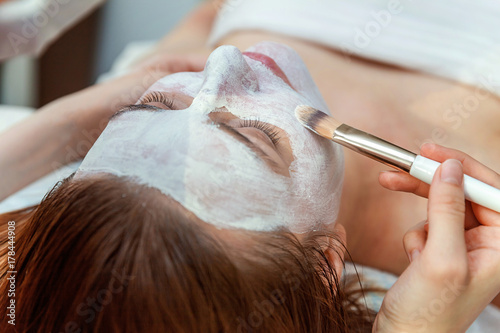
[[228, 129]]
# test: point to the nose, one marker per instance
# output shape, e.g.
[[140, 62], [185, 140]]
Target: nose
[[227, 72]]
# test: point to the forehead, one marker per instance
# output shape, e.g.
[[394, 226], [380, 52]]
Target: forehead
[[169, 138], [198, 165]]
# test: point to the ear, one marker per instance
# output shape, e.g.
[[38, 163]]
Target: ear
[[334, 249]]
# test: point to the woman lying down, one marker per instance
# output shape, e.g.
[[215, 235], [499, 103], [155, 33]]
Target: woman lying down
[[207, 207]]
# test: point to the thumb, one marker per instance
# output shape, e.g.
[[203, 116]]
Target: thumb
[[446, 211]]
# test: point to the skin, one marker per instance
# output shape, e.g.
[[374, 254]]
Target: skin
[[409, 116], [79, 118], [454, 254], [229, 141], [412, 113]]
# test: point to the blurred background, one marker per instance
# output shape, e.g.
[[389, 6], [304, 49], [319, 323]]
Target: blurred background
[[84, 37]]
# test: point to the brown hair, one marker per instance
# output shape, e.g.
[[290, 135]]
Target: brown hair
[[108, 255]]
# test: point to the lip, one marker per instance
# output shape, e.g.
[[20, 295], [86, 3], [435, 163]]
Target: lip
[[270, 64]]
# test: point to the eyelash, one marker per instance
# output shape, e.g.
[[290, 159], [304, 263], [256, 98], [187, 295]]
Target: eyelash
[[158, 97], [272, 133], [269, 130]]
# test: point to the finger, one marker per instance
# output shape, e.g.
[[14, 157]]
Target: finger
[[471, 166], [474, 169], [414, 240], [174, 63], [483, 238], [400, 181], [471, 220], [487, 216], [446, 212], [190, 63]]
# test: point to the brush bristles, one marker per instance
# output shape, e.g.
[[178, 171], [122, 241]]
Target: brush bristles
[[317, 121]]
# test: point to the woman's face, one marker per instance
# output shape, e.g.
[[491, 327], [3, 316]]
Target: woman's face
[[226, 145]]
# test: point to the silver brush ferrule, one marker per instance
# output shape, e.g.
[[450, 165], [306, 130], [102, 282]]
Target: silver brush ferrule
[[374, 147]]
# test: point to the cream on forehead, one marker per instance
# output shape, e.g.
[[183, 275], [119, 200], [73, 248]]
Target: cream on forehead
[[210, 173]]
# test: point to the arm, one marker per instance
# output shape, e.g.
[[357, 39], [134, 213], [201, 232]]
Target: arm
[[64, 130]]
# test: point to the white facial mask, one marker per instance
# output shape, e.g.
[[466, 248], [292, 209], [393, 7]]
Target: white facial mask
[[221, 180]]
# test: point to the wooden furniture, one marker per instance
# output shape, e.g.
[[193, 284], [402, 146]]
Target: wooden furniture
[[68, 64]]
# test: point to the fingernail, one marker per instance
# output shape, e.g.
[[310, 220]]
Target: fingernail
[[414, 255], [424, 144], [451, 172]]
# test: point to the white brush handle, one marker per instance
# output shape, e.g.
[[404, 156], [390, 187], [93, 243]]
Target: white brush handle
[[475, 190]]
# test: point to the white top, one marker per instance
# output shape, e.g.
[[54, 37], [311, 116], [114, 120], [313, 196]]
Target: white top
[[458, 39]]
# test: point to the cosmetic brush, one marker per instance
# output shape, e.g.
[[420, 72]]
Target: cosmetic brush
[[385, 152]]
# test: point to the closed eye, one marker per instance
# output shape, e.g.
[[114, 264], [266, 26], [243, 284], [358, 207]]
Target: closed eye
[[158, 101], [268, 129], [161, 100], [268, 141], [135, 107]]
